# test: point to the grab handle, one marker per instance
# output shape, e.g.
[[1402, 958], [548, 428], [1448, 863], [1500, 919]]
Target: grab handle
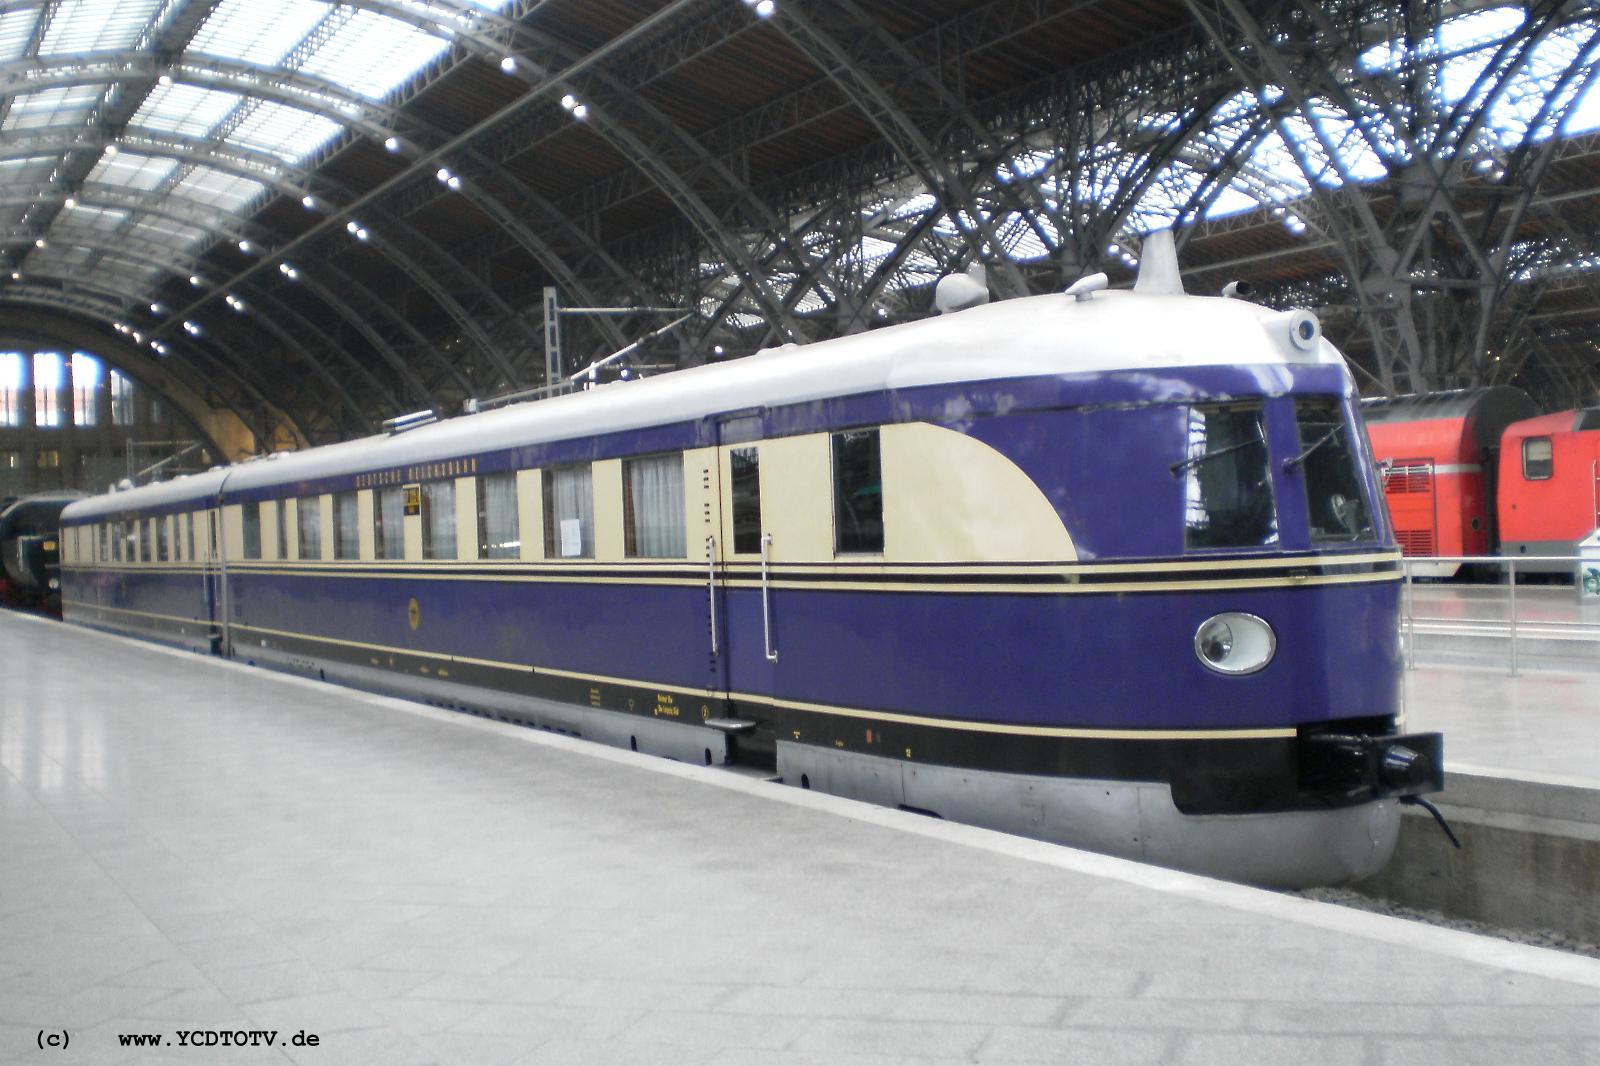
[[766, 600], [711, 587]]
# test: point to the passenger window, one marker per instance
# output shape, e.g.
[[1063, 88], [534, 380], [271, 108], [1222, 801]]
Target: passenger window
[[308, 523], [250, 519], [283, 527], [1228, 497], [652, 507], [388, 523], [569, 513], [746, 468], [439, 519], [857, 493], [188, 539], [499, 534], [1538, 459], [1336, 509], [163, 546], [346, 526]]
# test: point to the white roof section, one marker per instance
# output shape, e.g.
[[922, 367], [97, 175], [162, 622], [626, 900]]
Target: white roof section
[[1037, 336]]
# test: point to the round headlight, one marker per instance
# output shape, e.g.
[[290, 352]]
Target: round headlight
[[1235, 643]]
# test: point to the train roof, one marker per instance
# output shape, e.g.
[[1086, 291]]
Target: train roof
[[1028, 337], [1483, 412]]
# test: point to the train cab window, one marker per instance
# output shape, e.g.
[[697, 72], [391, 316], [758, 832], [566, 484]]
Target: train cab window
[[499, 533], [652, 507], [346, 526], [857, 493], [308, 523], [1538, 459], [745, 465], [1336, 509], [1228, 492], [388, 523], [250, 523], [569, 513], [439, 519]]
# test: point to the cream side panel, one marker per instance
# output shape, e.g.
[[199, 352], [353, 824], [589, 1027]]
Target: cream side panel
[[530, 513], [325, 520], [269, 530], [466, 518], [366, 537], [233, 531], [950, 498], [796, 498], [700, 502], [608, 539], [291, 525]]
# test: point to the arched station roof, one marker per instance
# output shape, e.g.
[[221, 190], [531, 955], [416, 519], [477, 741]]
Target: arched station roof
[[335, 212]]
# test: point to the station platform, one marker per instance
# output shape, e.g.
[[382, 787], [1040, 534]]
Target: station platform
[[1535, 725], [193, 845]]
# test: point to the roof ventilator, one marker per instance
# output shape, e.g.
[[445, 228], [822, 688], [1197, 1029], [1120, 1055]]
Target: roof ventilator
[[401, 423], [957, 292]]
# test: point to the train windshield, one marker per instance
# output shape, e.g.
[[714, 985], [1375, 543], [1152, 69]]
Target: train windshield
[[1228, 496], [1337, 509]]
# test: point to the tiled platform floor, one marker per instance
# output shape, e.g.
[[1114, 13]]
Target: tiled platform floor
[[186, 844], [1545, 724]]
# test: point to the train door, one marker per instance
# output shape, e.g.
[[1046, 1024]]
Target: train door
[[747, 629]]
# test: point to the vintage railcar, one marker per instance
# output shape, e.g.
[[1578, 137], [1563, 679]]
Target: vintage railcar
[[1109, 569]]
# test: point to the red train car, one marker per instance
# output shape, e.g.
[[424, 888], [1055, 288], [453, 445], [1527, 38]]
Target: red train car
[[1550, 485], [1439, 452]]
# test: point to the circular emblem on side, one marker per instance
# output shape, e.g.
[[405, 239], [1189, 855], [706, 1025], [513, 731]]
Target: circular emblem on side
[[414, 613]]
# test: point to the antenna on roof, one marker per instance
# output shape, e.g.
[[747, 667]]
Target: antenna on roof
[[1158, 265]]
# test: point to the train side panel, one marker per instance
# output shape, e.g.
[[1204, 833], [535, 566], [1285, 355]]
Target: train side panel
[[1547, 486]]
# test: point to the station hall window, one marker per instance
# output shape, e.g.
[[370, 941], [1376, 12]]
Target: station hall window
[[250, 521], [746, 469], [499, 534], [49, 379], [439, 519], [308, 517], [121, 399], [86, 373], [652, 507], [857, 493], [1538, 459], [388, 523], [11, 375], [569, 513], [346, 526], [1228, 500]]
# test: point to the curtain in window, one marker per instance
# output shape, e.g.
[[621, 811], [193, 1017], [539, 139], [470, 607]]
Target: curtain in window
[[389, 516], [439, 519], [655, 507], [309, 519], [346, 526], [569, 512], [498, 534]]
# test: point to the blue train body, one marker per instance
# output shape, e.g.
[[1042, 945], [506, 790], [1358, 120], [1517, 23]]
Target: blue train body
[[1074, 566]]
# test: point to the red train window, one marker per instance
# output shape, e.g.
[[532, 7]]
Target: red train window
[[1537, 464]]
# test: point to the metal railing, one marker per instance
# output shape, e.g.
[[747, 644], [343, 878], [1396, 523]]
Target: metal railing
[[1556, 616]]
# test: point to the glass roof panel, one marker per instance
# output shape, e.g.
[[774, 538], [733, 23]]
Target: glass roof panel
[[28, 170], [237, 30], [66, 106], [16, 30], [185, 109], [96, 25], [373, 54], [219, 189], [133, 170], [165, 231], [105, 219], [283, 131]]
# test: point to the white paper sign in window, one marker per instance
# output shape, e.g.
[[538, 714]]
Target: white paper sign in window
[[571, 537]]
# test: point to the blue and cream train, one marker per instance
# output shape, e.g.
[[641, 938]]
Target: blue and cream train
[[1111, 569]]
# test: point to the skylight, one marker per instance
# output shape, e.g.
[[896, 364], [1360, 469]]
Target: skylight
[[96, 25], [373, 54]]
